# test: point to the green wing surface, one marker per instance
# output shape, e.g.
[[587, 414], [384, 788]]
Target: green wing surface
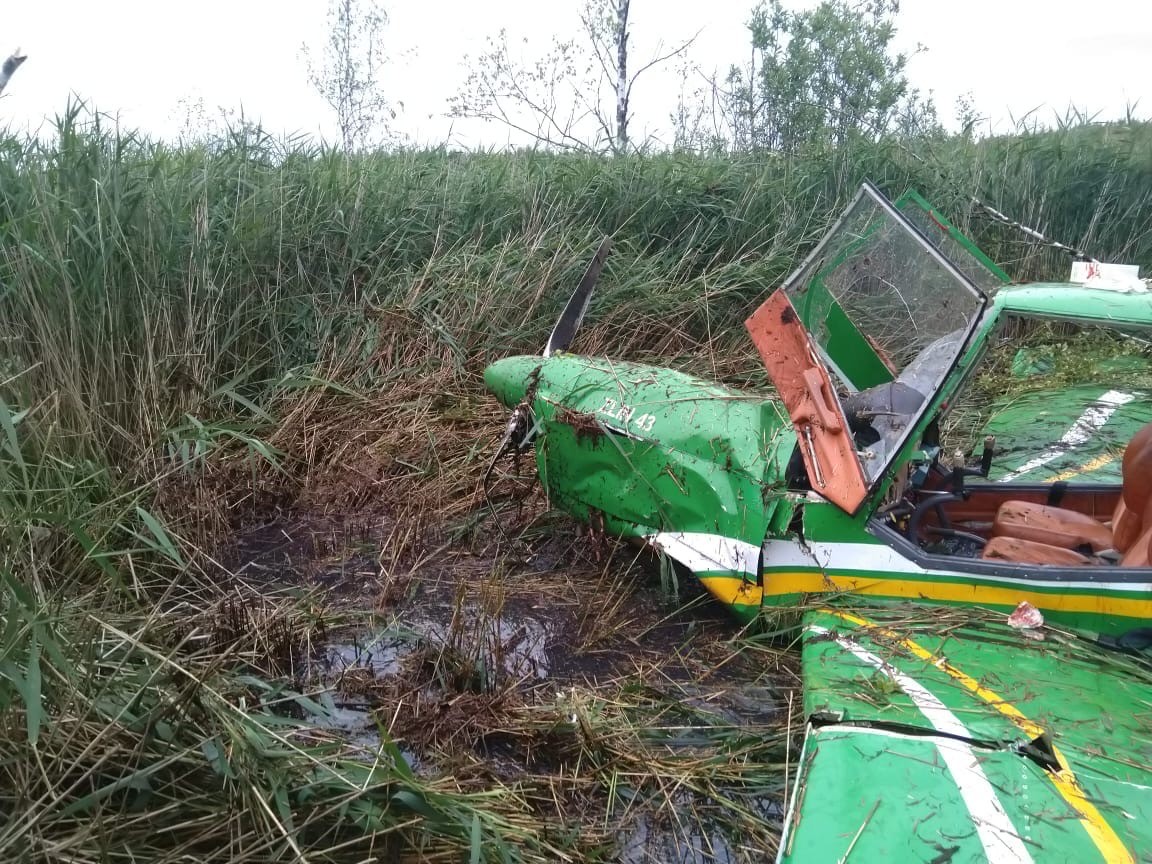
[[945, 735]]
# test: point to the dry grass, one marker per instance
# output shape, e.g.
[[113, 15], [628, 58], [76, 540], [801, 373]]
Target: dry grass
[[242, 421]]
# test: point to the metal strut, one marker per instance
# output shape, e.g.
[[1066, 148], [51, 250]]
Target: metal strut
[[1031, 232]]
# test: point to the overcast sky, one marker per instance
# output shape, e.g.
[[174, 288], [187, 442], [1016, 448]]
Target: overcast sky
[[139, 58]]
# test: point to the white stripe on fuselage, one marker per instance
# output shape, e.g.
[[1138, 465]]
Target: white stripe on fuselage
[[882, 559], [998, 836], [701, 552]]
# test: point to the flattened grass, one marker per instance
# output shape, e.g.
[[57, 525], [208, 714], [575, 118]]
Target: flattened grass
[[195, 338]]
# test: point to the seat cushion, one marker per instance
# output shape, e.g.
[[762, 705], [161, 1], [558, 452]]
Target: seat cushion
[[1030, 552], [1053, 526]]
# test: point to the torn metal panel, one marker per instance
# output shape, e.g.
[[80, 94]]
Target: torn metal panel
[[657, 450]]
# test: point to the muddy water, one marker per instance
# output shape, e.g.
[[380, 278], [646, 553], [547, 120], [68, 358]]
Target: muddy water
[[510, 648], [535, 643], [693, 841], [521, 648]]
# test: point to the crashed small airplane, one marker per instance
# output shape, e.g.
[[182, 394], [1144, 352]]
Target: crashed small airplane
[[940, 728]]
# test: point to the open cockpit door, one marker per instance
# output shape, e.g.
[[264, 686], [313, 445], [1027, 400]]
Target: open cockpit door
[[822, 431], [860, 338]]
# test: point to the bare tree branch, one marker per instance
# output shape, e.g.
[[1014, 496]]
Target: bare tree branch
[[349, 75], [596, 69], [600, 48], [661, 59], [10, 66]]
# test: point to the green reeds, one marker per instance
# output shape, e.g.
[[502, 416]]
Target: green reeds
[[193, 336]]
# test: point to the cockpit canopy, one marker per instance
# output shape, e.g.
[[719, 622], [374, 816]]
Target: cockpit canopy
[[887, 313]]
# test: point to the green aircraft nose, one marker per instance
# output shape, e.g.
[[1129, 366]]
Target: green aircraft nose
[[508, 378]]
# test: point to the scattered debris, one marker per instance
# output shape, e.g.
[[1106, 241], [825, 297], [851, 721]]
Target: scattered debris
[[1026, 617]]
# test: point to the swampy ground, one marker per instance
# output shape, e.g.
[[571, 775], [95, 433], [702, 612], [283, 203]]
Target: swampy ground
[[631, 716], [254, 606]]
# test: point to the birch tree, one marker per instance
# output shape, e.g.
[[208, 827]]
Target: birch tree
[[348, 75], [578, 96]]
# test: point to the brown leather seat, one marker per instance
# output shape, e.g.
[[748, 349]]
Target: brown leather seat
[[1029, 551], [1069, 529], [1052, 526], [1138, 554]]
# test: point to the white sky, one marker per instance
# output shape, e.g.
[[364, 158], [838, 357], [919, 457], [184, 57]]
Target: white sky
[[139, 58]]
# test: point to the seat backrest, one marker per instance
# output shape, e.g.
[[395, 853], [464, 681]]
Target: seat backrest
[[1139, 553], [1130, 516], [1137, 476], [1137, 443], [1127, 526], [1137, 556]]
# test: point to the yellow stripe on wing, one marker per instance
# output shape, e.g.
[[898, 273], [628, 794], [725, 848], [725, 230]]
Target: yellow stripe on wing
[[1102, 834], [1088, 467]]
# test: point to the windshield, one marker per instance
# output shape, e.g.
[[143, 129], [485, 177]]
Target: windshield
[[889, 313]]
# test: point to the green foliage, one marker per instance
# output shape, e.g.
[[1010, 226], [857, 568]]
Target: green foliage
[[145, 284], [823, 76], [166, 309]]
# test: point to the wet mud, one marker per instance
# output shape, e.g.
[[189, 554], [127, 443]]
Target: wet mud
[[461, 651]]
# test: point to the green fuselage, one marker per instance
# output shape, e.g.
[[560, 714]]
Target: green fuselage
[[697, 471], [650, 450]]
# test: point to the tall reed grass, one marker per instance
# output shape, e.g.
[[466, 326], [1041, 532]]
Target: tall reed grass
[[167, 310]]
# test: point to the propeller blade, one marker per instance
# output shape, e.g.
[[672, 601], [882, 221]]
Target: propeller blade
[[573, 313]]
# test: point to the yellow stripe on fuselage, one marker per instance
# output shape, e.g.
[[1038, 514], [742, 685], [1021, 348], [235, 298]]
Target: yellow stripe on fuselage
[[1102, 834], [739, 592]]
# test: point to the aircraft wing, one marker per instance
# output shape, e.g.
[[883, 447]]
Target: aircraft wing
[[946, 735]]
